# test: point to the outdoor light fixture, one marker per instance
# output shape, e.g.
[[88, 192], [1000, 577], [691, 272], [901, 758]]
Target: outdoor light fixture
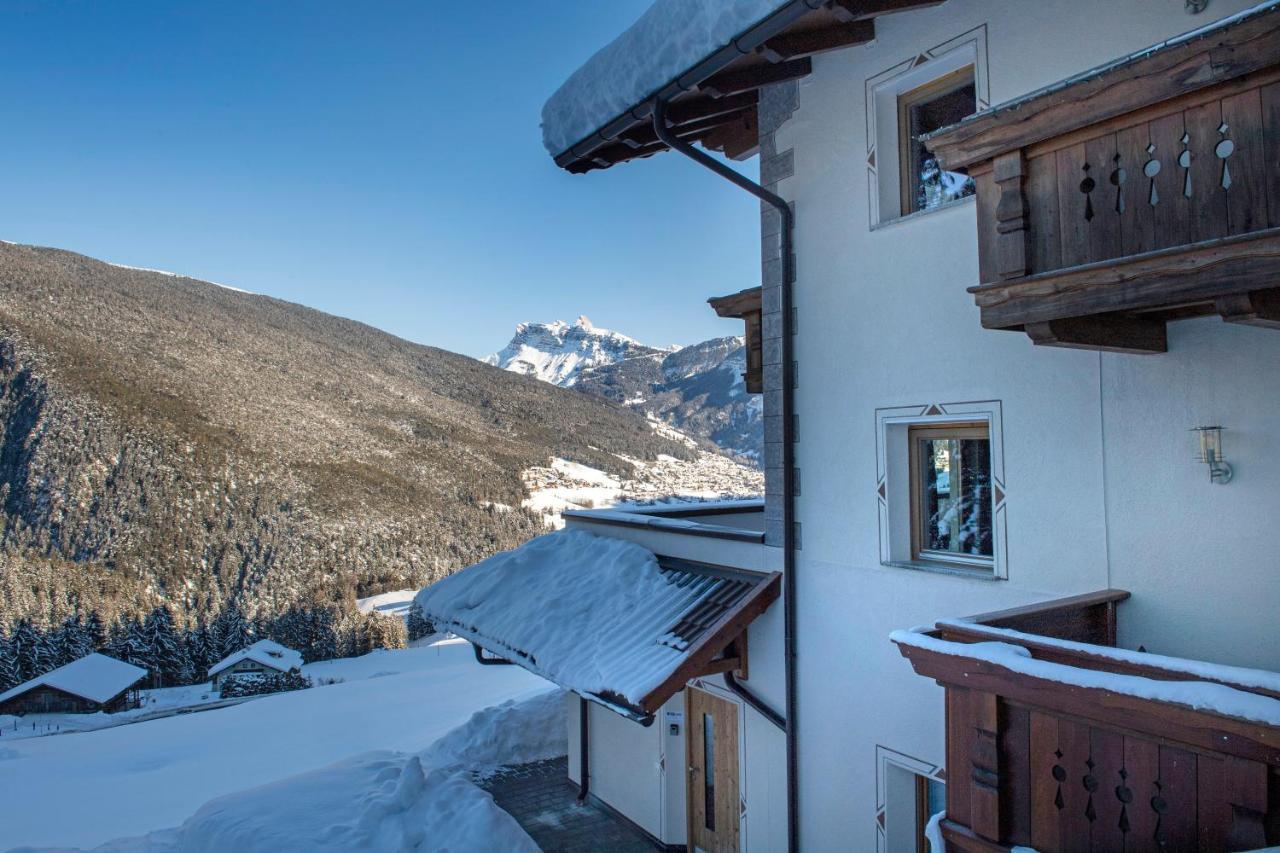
[[1195, 7], [1210, 453]]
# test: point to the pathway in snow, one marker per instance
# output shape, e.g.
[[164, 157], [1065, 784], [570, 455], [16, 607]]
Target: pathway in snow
[[84, 789]]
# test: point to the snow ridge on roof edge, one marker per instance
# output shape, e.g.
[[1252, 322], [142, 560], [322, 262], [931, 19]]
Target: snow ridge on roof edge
[[668, 41]]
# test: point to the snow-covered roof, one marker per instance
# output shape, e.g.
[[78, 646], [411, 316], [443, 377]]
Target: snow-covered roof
[[94, 677], [670, 38], [266, 652], [600, 616]]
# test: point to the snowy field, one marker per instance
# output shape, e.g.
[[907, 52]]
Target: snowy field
[[85, 789], [394, 603]]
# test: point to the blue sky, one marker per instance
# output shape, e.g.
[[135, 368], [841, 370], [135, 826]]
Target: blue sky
[[381, 161]]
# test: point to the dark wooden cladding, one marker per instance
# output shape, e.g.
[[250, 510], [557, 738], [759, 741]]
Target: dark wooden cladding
[[1061, 768], [1152, 198], [746, 305]]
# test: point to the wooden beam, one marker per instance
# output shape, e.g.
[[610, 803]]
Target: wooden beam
[[1109, 333], [795, 44], [700, 107], [1183, 67], [1053, 653], [733, 82], [737, 304], [645, 135], [738, 140], [701, 654], [721, 665], [861, 10], [1255, 308], [1204, 730], [1178, 275]]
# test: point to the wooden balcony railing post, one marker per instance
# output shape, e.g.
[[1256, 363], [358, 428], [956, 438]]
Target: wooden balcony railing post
[[1012, 215]]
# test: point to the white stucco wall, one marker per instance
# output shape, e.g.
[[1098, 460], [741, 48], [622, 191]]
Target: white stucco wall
[[1102, 489], [641, 772]]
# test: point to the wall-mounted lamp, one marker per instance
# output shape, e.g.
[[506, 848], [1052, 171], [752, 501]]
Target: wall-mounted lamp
[[1195, 7], [1209, 451]]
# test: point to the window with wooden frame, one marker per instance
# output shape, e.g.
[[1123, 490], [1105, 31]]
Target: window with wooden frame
[[931, 798], [951, 498], [924, 109]]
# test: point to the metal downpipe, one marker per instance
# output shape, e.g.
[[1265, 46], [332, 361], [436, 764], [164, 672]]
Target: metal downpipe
[[584, 746], [775, 201]]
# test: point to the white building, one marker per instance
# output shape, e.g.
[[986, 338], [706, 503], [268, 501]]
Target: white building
[[1035, 337], [265, 657]]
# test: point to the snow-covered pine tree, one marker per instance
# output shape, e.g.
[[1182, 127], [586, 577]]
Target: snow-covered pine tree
[[324, 634], [45, 653], [416, 624], [9, 676], [95, 630], [68, 640], [231, 630], [24, 642], [168, 664]]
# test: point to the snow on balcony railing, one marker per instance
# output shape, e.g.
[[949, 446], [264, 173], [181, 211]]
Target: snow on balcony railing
[[1214, 698]]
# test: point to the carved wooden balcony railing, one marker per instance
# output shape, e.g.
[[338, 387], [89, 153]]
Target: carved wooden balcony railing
[[1047, 752], [1141, 192]]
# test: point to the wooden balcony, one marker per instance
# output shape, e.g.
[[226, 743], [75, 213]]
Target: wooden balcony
[[746, 306], [1144, 191], [1074, 746]]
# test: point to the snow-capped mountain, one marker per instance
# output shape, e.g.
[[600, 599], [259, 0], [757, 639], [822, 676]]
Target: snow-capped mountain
[[558, 352], [697, 389]]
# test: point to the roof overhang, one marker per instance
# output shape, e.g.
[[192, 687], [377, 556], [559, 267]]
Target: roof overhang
[[714, 103], [699, 630]]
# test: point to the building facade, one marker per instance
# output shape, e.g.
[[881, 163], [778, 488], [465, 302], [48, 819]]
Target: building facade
[[998, 387]]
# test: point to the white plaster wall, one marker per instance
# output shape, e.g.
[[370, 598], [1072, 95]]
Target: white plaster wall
[[641, 772], [1101, 487]]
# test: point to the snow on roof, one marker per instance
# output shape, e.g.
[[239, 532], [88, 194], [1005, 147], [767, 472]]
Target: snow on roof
[[670, 38], [1201, 695], [597, 615], [266, 652], [94, 677]]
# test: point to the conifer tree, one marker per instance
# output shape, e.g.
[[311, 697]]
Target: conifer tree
[[167, 662], [8, 664], [416, 624]]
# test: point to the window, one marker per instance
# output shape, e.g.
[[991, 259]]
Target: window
[[911, 798], [951, 506], [931, 798], [936, 104]]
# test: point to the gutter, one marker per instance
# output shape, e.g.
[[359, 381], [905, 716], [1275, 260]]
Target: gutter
[[659, 109]]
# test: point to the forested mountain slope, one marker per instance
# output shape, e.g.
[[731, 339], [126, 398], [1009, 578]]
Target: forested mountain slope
[[168, 440]]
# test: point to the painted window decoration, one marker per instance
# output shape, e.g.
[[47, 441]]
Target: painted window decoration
[[952, 498], [709, 770], [937, 104]]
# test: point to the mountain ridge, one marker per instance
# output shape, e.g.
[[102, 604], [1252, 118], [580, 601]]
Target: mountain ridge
[[697, 389], [164, 439]]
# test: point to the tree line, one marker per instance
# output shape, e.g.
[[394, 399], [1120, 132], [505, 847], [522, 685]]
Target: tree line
[[175, 655]]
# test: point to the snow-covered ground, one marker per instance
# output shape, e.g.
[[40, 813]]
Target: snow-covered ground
[[394, 603], [84, 789]]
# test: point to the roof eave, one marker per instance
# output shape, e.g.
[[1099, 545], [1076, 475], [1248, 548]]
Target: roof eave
[[741, 45]]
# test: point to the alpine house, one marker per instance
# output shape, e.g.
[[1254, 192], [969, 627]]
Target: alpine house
[[1049, 233]]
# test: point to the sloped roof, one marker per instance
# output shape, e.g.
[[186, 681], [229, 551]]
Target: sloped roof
[[266, 652], [708, 59], [602, 617], [94, 677]]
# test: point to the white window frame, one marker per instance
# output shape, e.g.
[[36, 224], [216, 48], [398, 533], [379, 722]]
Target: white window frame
[[887, 762], [884, 183], [894, 486]]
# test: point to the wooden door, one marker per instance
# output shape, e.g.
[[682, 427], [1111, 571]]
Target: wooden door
[[711, 727]]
